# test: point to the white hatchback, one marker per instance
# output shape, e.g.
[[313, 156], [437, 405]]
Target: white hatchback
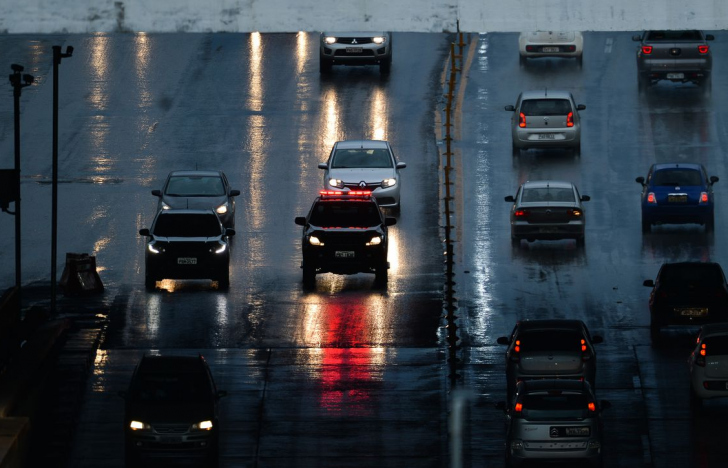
[[550, 44], [709, 364]]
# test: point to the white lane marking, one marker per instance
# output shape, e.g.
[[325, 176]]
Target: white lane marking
[[608, 45], [646, 455]]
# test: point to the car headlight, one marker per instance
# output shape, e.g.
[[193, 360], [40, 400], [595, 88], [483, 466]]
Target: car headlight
[[139, 426], [165, 206], [153, 249], [379, 39], [313, 240], [330, 39], [516, 445], [376, 240], [389, 183], [222, 209], [338, 183], [221, 248], [203, 426]]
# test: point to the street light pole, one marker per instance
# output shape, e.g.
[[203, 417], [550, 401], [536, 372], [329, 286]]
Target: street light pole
[[18, 84], [57, 56]]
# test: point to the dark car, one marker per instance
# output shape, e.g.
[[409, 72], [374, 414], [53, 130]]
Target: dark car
[[344, 233], [355, 48], [677, 193], [680, 56], [199, 190], [171, 412], [558, 348], [687, 293], [187, 244], [557, 422]]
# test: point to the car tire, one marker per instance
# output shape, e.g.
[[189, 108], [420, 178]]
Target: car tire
[[707, 85], [577, 151], [710, 223], [223, 281], [398, 207], [655, 335], [522, 61], [309, 276], [516, 151], [325, 65], [381, 274], [646, 226], [385, 66], [581, 241], [642, 83], [579, 61], [515, 242], [150, 282], [696, 403]]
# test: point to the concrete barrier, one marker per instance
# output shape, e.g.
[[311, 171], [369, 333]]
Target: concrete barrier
[[85, 16]]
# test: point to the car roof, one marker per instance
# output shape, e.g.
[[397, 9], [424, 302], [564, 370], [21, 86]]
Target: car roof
[[352, 144], [667, 166], [195, 173], [535, 385], [547, 183], [550, 323], [678, 264], [546, 94], [710, 329], [171, 364]]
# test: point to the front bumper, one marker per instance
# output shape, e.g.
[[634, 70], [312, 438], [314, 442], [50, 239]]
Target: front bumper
[[162, 266], [327, 260], [369, 54]]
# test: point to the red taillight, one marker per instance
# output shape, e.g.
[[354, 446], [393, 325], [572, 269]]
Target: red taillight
[[570, 119], [522, 120], [592, 406], [651, 198], [703, 49], [519, 407], [530, 48], [647, 49], [570, 48], [515, 357], [583, 345], [704, 197], [520, 213], [700, 358]]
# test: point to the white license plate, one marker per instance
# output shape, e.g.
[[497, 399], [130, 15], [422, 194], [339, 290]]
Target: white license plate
[[344, 254], [550, 49], [546, 136], [675, 76], [693, 312], [353, 50], [186, 261]]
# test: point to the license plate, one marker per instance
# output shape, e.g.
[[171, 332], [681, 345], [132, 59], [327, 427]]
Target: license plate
[[675, 76], [344, 254], [677, 198], [693, 312], [170, 440], [186, 261], [546, 136], [353, 50], [550, 49], [577, 431]]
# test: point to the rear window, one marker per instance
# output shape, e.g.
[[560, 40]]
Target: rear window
[[716, 345], [360, 157], [674, 36], [345, 214], [548, 194], [677, 177], [187, 225], [691, 276], [554, 405], [539, 107], [550, 340]]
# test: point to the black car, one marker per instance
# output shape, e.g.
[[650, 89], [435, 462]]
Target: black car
[[557, 349], [171, 412], [187, 244], [687, 293], [199, 190], [344, 233]]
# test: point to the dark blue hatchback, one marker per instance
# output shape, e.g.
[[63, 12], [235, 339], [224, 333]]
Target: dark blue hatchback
[[677, 193]]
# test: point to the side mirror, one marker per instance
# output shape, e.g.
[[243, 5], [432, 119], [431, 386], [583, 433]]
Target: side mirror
[[510, 198], [229, 231], [709, 37], [649, 283], [401, 165], [585, 198], [637, 38], [234, 193], [580, 107], [503, 340], [157, 193], [605, 404], [640, 180], [596, 339], [510, 108], [300, 220], [323, 166], [144, 232], [713, 179], [388, 221], [220, 394]]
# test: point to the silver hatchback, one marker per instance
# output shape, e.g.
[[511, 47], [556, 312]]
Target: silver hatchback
[[546, 119]]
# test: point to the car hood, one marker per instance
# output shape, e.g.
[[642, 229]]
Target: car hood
[[551, 363], [355, 33], [359, 174], [194, 203], [187, 239], [171, 413]]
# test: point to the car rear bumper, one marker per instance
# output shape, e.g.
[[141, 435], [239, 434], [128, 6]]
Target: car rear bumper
[[696, 214], [572, 230], [716, 388], [590, 457], [558, 138]]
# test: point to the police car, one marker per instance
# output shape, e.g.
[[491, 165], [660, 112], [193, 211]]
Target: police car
[[344, 233]]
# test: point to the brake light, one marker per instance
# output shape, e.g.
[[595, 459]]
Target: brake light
[[522, 120], [583, 345], [585, 354], [519, 407], [515, 357], [703, 49], [570, 48], [651, 198], [703, 197], [570, 119], [520, 213], [700, 358], [592, 406], [647, 49]]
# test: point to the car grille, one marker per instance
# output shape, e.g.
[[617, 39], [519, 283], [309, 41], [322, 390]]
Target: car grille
[[363, 53], [354, 40], [354, 240], [187, 249], [171, 428], [369, 186]]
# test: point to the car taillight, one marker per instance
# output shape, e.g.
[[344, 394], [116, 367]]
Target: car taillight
[[703, 49], [570, 48], [592, 406], [530, 48], [651, 198], [520, 213], [570, 119], [515, 355], [647, 49], [519, 407], [703, 197], [700, 358], [522, 120], [585, 354]]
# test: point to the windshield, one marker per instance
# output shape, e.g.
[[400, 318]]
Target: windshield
[[691, 276], [674, 36], [195, 186], [548, 194], [545, 107], [345, 214], [677, 177], [554, 405], [550, 340], [170, 388], [360, 157], [187, 225]]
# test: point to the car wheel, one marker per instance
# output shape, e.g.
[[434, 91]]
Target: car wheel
[[577, 151], [710, 223], [522, 60], [696, 403], [707, 84], [646, 226], [642, 83], [515, 242], [223, 282], [579, 61], [381, 274], [398, 207], [130, 459], [385, 66], [580, 241], [150, 282], [324, 65], [516, 151], [309, 276], [655, 335]]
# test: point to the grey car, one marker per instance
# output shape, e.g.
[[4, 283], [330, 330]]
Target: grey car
[[547, 210], [554, 421], [355, 48], [546, 119], [678, 56]]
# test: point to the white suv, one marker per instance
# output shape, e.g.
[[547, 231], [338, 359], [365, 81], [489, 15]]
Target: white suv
[[709, 364]]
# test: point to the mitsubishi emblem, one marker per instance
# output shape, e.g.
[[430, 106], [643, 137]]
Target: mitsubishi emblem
[[362, 184], [353, 41]]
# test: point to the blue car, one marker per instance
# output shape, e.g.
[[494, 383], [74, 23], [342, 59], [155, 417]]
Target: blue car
[[677, 193]]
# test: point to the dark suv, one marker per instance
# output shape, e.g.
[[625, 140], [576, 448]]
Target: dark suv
[[679, 56], [187, 244], [345, 233], [687, 293], [171, 412]]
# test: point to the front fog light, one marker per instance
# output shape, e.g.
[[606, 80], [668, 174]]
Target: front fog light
[[389, 183], [376, 240]]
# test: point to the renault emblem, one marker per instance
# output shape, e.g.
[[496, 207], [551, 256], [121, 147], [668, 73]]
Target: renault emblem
[[362, 184]]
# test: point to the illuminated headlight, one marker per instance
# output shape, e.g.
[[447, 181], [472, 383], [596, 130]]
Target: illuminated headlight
[[153, 249], [376, 240], [516, 445], [139, 426], [165, 206], [222, 209], [330, 39], [389, 183], [379, 39], [221, 248], [313, 240], [336, 183], [203, 426]]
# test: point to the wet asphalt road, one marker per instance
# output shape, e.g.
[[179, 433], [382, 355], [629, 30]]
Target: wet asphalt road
[[348, 375]]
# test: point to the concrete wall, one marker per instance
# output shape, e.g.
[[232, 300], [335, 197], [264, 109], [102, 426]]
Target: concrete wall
[[84, 16]]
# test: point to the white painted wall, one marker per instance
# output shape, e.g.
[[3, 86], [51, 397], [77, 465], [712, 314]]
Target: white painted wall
[[84, 16]]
